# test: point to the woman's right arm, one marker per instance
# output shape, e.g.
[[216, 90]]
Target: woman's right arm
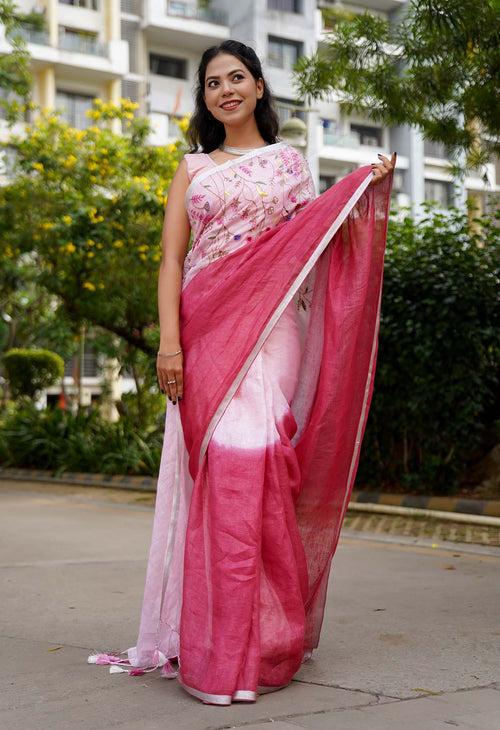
[[175, 239]]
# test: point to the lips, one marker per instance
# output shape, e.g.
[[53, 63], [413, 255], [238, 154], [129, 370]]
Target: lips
[[229, 106]]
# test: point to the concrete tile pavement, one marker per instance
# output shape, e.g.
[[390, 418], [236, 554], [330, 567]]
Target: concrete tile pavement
[[402, 622]]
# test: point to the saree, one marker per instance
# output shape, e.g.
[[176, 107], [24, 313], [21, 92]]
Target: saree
[[279, 321]]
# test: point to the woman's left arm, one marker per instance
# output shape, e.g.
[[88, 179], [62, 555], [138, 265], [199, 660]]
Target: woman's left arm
[[383, 168]]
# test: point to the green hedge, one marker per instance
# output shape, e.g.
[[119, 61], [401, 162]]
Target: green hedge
[[60, 441], [31, 371], [435, 401]]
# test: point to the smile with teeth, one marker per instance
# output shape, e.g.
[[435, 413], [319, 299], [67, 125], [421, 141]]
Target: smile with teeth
[[228, 105]]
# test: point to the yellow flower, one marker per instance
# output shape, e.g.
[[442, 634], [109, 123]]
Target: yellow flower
[[47, 225], [118, 244], [143, 248], [157, 257], [70, 247], [38, 166], [90, 242], [101, 285], [70, 161], [99, 245], [90, 254], [88, 285], [67, 219], [143, 256], [91, 165]]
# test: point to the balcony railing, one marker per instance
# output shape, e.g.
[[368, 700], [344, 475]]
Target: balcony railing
[[31, 35], [82, 44], [340, 140], [181, 9]]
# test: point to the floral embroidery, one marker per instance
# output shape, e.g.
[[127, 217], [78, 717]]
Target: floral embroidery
[[233, 206]]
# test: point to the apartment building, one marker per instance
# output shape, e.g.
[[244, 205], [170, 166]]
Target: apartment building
[[148, 50]]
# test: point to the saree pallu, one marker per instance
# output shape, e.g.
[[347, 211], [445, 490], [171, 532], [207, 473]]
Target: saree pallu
[[280, 345]]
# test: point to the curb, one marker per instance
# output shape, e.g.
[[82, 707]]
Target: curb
[[114, 481], [480, 512], [486, 507]]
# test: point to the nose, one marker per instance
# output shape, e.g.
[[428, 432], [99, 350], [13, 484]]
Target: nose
[[227, 88]]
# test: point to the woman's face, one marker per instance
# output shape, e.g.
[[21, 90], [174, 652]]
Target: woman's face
[[231, 92]]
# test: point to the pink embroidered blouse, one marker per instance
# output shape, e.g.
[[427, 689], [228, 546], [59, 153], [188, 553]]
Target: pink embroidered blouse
[[232, 203]]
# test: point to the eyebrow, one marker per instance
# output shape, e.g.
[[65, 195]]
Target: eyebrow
[[229, 74]]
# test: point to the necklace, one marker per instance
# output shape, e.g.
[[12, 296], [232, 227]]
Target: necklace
[[239, 150]]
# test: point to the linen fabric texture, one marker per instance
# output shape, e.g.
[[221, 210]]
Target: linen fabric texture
[[280, 310]]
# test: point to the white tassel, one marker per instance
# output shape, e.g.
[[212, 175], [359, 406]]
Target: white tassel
[[115, 669]]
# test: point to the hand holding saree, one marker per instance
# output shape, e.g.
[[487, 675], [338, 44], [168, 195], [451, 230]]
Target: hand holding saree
[[280, 311]]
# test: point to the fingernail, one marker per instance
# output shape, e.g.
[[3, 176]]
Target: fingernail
[[169, 398], [180, 397], [378, 154]]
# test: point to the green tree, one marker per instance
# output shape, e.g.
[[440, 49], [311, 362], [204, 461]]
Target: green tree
[[435, 65], [15, 74], [85, 209]]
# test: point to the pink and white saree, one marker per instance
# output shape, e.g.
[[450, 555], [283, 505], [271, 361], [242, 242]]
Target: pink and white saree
[[280, 313]]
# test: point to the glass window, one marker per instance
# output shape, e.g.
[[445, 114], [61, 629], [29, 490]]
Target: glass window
[[439, 191], [73, 108], [287, 108], [89, 4], [168, 66], [283, 53], [289, 6], [370, 136]]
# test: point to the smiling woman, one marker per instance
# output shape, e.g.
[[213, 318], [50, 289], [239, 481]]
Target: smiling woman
[[269, 330]]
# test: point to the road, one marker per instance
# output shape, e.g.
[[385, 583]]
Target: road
[[410, 639]]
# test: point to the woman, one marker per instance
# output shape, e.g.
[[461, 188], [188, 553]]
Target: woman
[[268, 346]]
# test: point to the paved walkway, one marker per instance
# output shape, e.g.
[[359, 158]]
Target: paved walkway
[[410, 640]]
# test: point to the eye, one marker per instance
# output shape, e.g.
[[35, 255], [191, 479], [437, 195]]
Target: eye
[[238, 76], [212, 81]]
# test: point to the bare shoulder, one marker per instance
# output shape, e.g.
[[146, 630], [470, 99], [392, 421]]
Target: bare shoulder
[[180, 180]]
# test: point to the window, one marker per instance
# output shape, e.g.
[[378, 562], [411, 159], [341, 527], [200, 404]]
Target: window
[[287, 108], [325, 182], [89, 4], [439, 191], [434, 149], [370, 136], [73, 108], [81, 41], [168, 66], [331, 131], [289, 6], [283, 53]]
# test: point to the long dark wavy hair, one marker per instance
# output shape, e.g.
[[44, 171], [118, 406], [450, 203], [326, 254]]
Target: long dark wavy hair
[[204, 129]]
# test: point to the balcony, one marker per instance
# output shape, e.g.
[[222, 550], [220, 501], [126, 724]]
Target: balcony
[[183, 25], [180, 9], [78, 54], [36, 37], [79, 43]]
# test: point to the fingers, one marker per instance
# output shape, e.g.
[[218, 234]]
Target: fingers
[[170, 377], [382, 169]]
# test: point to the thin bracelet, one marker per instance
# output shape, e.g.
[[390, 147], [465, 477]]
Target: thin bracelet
[[169, 354]]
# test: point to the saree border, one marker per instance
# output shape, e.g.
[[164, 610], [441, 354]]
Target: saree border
[[206, 172], [279, 311]]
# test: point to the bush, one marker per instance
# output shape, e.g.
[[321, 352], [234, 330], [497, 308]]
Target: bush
[[31, 371], [60, 441], [434, 403]]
